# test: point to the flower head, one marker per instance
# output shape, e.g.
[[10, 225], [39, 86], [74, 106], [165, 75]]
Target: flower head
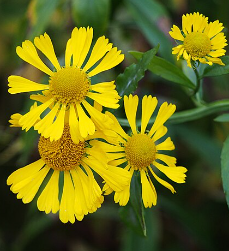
[[143, 152], [65, 97], [81, 193], [199, 39]]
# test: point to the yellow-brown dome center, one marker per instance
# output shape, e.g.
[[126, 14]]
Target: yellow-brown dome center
[[140, 151], [62, 154], [69, 85], [197, 44]]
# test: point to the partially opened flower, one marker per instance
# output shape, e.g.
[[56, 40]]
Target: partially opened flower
[[76, 162], [199, 40], [69, 87], [142, 151]]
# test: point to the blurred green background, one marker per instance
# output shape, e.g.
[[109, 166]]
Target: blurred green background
[[196, 218]]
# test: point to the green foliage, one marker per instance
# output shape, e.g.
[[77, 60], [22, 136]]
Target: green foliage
[[217, 70], [149, 14], [133, 213], [91, 13], [41, 12], [222, 118], [225, 168], [166, 70], [127, 82]]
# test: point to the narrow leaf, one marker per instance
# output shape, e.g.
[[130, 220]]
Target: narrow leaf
[[127, 82], [217, 70], [166, 70], [225, 168], [222, 118]]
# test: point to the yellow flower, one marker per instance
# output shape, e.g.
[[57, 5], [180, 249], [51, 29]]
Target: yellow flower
[[199, 39], [141, 151], [81, 193], [65, 96]]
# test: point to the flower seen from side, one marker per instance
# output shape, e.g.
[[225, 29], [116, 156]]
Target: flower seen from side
[[75, 163], [199, 40], [66, 95], [142, 151]]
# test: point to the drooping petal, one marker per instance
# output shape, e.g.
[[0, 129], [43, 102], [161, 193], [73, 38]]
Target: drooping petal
[[47, 121], [44, 44], [29, 54], [162, 182], [86, 126], [74, 125], [149, 194], [19, 84], [168, 160], [67, 212], [48, 200], [104, 100]]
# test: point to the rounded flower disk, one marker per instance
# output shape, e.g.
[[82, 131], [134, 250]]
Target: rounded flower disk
[[142, 152], [66, 96], [81, 193], [199, 40]]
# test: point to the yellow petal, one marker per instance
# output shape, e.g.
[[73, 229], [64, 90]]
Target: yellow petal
[[30, 118], [104, 100], [68, 53], [176, 33], [74, 126], [81, 43], [67, 212], [112, 58], [168, 160], [86, 126], [165, 112], [166, 145], [162, 182], [99, 50], [48, 200], [213, 28], [25, 172], [161, 131], [148, 106], [175, 173], [131, 105], [44, 44], [29, 54], [149, 194], [19, 84]]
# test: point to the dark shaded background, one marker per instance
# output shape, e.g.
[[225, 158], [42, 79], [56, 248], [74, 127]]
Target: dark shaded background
[[196, 218]]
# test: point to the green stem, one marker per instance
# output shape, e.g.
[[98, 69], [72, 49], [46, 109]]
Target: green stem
[[189, 115]]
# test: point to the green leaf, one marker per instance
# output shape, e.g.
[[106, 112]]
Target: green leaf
[[149, 14], [127, 82], [225, 168], [91, 13], [222, 118], [217, 70], [189, 115], [41, 14], [166, 70], [133, 213]]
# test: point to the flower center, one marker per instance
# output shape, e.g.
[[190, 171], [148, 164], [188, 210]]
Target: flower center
[[62, 154], [140, 151], [69, 85], [197, 44]]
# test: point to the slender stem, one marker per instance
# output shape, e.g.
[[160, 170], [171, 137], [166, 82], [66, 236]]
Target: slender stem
[[197, 95]]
